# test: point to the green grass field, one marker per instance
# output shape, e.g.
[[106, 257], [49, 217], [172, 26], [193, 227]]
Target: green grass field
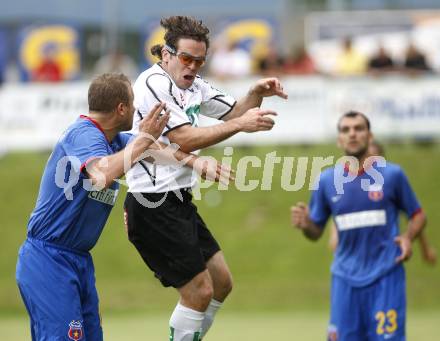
[[303, 326], [277, 273]]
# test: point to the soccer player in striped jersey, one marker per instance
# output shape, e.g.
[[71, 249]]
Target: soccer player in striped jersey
[[368, 299], [171, 237]]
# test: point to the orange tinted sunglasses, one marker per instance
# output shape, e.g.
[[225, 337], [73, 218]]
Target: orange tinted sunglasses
[[185, 58]]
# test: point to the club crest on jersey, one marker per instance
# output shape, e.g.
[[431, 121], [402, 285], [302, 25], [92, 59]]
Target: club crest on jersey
[[75, 330], [375, 193]]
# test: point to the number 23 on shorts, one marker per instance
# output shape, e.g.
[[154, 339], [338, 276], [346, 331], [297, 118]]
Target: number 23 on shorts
[[386, 322]]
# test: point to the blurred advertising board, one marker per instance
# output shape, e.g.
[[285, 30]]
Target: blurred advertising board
[[3, 54], [61, 41], [254, 34], [33, 116]]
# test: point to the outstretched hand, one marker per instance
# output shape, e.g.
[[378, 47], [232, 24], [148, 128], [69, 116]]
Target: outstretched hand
[[211, 169], [256, 119], [268, 87]]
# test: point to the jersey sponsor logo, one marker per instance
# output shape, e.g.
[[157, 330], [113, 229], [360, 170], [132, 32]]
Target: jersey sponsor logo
[[193, 112], [361, 219], [75, 330], [106, 196]]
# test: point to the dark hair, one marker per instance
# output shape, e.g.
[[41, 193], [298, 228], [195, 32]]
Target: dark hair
[[181, 27], [107, 91], [352, 114]]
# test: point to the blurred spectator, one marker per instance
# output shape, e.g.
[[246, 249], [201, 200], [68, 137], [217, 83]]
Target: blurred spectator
[[415, 60], [230, 62], [381, 62], [49, 69], [350, 62], [116, 61], [271, 65], [299, 63]]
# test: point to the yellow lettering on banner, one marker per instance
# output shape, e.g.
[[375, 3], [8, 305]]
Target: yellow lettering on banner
[[156, 37], [260, 32], [64, 39]]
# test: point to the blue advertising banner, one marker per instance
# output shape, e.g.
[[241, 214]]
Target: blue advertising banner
[[3, 54]]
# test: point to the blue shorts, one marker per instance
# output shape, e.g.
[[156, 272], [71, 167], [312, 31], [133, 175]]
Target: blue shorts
[[376, 312], [58, 288]]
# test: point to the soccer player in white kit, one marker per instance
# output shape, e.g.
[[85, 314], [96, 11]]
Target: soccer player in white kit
[[171, 237]]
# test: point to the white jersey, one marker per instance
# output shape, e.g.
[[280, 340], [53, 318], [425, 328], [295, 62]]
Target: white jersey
[[155, 85]]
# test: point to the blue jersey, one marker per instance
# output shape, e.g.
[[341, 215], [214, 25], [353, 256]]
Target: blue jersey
[[367, 220], [68, 213]]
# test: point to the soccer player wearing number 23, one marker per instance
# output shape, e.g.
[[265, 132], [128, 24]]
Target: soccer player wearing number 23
[[368, 280]]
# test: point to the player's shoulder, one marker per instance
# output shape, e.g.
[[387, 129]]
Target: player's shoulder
[[81, 128], [325, 178], [200, 81], [393, 169], [153, 77], [328, 173], [208, 90], [201, 84]]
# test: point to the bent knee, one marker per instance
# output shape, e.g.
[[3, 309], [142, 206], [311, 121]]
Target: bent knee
[[227, 284]]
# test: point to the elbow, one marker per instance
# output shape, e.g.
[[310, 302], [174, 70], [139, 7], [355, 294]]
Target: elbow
[[315, 238], [423, 219], [186, 145], [420, 218], [313, 235]]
